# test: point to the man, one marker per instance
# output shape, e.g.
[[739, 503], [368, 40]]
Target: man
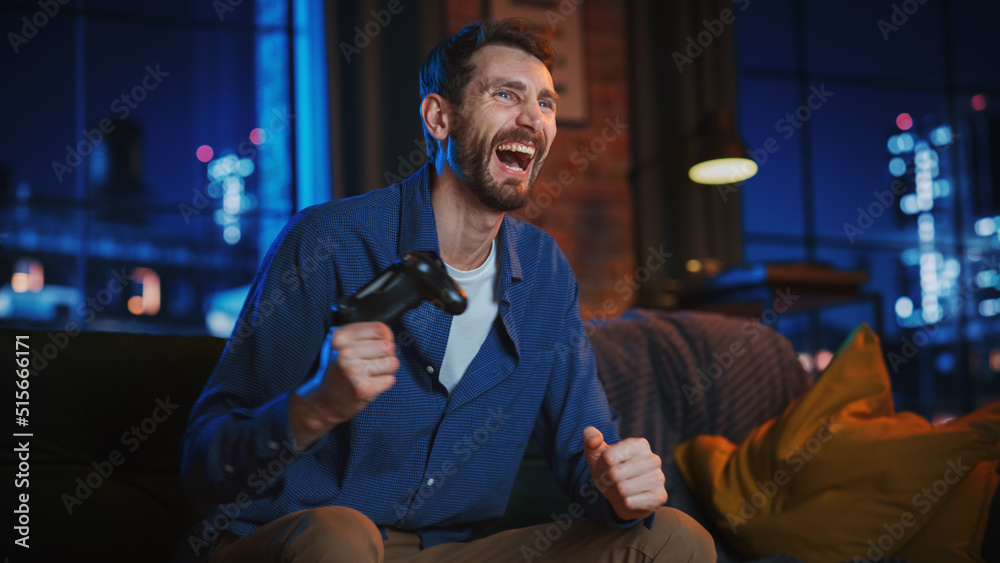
[[375, 443]]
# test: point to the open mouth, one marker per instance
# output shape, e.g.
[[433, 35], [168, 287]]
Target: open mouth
[[516, 157]]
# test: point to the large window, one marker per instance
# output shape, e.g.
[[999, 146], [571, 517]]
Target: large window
[[884, 158], [148, 159]]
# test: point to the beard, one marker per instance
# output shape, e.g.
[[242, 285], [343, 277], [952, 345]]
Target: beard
[[470, 159]]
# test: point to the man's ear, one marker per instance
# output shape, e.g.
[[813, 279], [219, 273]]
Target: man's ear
[[436, 113]]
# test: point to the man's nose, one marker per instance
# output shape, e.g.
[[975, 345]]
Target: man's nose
[[530, 116]]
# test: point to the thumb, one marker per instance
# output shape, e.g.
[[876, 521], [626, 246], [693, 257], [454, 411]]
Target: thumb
[[593, 444], [325, 351]]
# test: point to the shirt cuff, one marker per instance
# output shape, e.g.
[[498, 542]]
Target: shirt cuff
[[277, 436], [620, 523]]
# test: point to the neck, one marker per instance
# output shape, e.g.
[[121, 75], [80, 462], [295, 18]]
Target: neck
[[465, 227]]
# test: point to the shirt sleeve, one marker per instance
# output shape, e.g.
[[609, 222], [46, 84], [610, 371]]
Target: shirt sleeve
[[574, 400], [240, 422]]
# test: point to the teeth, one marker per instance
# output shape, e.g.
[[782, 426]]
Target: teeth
[[530, 151]]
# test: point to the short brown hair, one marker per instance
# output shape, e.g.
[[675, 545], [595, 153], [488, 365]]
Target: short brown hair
[[448, 67]]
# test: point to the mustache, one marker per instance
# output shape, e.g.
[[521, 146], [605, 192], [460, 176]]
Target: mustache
[[520, 136]]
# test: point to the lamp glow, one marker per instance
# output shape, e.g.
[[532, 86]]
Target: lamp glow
[[19, 282], [148, 301], [979, 104], [204, 153], [823, 359], [894, 145], [986, 226], [905, 142], [904, 121], [28, 276], [904, 307], [723, 171], [897, 166]]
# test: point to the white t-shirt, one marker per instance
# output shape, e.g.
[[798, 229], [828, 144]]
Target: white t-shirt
[[469, 330]]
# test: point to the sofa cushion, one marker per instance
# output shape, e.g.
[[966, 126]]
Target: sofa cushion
[[840, 475]]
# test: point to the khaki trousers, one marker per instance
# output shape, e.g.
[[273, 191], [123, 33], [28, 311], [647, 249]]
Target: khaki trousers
[[338, 534]]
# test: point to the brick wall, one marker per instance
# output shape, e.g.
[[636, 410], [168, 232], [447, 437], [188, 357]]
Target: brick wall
[[583, 197]]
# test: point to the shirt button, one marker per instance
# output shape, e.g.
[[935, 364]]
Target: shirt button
[[273, 445], [430, 369], [430, 482], [228, 468]]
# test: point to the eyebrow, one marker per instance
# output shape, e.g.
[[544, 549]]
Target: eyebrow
[[520, 87]]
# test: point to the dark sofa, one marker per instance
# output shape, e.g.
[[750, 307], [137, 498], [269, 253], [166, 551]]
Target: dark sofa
[[107, 412]]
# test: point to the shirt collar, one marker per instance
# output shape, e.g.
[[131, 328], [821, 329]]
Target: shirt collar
[[510, 263], [417, 229]]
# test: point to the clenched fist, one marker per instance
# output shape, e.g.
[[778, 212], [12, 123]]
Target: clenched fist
[[357, 363], [628, 474]]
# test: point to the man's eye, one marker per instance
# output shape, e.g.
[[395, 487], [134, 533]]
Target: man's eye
[[504, 95]]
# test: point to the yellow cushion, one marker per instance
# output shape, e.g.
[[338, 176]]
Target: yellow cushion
[[840, 474]]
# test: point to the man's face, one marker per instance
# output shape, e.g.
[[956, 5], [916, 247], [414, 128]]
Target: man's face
[[504, 127]]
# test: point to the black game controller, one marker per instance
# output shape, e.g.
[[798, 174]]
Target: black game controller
[[402, 286]]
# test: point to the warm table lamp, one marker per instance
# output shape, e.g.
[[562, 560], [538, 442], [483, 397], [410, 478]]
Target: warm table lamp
[[722, 157]]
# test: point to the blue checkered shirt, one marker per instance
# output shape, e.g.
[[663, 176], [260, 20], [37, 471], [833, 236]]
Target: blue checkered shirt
[[416, 457]]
